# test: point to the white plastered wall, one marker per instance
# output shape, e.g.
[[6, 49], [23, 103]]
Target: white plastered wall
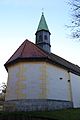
[[37, 80], [75, 84], [26, 81], [57, 83]]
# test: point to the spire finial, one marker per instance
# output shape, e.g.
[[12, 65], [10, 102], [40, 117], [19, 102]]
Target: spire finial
[[42, 11]]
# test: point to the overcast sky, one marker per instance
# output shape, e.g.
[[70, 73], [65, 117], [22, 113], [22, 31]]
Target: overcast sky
[[19, 20]]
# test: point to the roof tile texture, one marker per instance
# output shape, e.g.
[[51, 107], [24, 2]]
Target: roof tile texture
[[29, 50]]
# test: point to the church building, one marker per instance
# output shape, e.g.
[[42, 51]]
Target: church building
[[40, 80]]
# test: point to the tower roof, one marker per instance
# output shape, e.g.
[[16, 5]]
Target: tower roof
[[42, 24]]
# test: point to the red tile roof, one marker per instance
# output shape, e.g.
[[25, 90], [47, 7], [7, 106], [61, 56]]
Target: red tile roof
[[29, 50]]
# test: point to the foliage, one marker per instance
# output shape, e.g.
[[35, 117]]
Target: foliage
[[75, 26], [3, 87]]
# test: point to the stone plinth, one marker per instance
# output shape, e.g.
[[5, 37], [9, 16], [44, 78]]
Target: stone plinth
[[36, 105]]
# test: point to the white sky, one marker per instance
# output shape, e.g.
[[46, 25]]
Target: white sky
[[19, 20]]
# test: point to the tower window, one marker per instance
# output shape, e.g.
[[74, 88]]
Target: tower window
[[45, 37], [40, 38]]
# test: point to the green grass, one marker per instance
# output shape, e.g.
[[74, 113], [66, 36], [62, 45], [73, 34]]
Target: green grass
[[67, 114]]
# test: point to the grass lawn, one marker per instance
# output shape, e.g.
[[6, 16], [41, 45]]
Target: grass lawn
[[67, 114]]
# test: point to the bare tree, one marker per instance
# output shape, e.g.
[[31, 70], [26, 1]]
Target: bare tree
[[75, 26]]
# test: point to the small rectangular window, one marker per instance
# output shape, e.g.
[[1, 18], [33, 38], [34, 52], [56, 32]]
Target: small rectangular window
[[45, 37], [40, 38]]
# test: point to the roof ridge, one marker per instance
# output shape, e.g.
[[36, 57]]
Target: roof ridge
[[39, 49], [66, 63], [16, 51], [64, 59], [23, 47]]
